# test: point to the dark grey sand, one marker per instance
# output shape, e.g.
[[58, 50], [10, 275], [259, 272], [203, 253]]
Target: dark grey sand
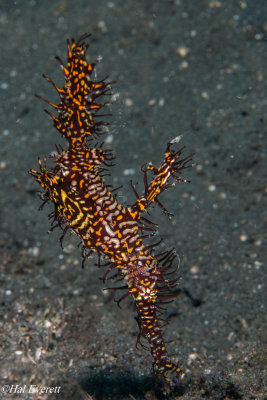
[[196, 68]]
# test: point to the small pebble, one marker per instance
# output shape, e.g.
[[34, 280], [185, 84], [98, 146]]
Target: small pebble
[[194, 269], [242, 4], [192, 357], [152, 102], [13, 73], [109, 139], [215, 4], [128, 102], [114, 97], [212, 188], [102, 26], [259, 36], [258, 264], [38, 354], [222, 195], [161, 102], [205, 95], [182, 51], [184, 65], [129, 171], [47, 324], [4, 85], [34, 251], [243, 237]]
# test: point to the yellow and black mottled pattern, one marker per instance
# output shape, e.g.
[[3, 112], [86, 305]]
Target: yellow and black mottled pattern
[[86, 205]]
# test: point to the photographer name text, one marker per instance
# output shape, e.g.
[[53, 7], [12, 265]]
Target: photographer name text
[[29, 389]]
